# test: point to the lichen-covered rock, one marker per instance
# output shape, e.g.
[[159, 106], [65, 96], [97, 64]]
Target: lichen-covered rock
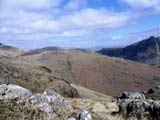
[[17, 103], [135, 105], [9, 92], [49, 103]]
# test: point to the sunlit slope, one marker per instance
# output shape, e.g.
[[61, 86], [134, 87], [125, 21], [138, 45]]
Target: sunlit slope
[[7, 52], [97, 72]]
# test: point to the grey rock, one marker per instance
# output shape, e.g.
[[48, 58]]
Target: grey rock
[[34, 99], [3, 88], [45, 107], [85, 115], [11, 92], [52, 96], [132, 95]]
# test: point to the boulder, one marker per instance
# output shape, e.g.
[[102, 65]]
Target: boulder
[[85, 115], [12, 92], [49, 105], [135, 105]]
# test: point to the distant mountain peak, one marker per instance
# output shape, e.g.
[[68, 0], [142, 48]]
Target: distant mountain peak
[[146, 51]]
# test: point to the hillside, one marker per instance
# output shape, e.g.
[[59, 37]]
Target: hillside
[[7, 52], [35, 78], [146, 51], [94, 71]]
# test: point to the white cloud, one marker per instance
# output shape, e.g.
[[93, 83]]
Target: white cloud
[[26, 23], [44, 20], [75, 4], [30, 4], [143, 4], [96, 19]]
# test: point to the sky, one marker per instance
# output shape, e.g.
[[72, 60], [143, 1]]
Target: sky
[[31, 24]]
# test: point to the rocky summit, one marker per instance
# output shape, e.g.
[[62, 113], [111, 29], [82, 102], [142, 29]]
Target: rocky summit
[[18, 103]]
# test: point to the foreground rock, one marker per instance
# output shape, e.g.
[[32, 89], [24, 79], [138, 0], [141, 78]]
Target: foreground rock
[[17, 103], [134, 105], [10, 92]]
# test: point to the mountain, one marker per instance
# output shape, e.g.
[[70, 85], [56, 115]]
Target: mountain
[[99, 73], [75, 84], [53, 49], [59, 68], [146, 51], [7, 52]]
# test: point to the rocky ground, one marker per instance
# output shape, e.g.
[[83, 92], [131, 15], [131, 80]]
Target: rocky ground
[[18, 103]]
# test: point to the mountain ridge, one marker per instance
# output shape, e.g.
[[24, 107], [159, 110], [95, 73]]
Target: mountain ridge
[[144, 51]]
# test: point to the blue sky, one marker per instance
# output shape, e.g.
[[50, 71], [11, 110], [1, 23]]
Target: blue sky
[[30, 24]]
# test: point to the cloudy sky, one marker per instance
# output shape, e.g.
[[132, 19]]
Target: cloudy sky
[[31, 24]]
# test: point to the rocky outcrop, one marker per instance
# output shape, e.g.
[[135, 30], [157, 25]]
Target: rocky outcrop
[[134, 105], [49, 105], [17, 103], [132, 95]]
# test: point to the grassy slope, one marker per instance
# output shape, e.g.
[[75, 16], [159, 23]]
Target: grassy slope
[[34, 78], [96, 72], [89, 94]]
